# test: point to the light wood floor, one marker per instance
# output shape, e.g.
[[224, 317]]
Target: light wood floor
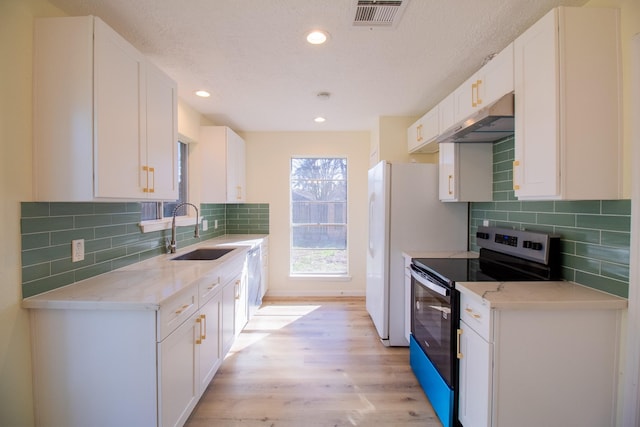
[[313, 362]]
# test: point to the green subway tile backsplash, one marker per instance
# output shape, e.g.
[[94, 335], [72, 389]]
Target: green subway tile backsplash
[[595, 234], [112, 237]]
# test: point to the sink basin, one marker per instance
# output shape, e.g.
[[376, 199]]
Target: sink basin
[[203, 254]]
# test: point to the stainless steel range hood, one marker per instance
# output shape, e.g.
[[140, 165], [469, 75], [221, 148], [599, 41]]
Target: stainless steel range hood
[[489, 124]]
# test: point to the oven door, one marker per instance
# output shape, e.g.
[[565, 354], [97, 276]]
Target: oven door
[[434, 321]]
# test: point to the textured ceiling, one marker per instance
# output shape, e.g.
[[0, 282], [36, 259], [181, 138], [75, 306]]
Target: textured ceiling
[[263, 76]]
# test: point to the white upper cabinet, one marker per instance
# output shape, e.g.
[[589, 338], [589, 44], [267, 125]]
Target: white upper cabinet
[[490, 83], [568, 104], [446, 113], [422, 134], [223, 168], [105, 119], [465, 172]]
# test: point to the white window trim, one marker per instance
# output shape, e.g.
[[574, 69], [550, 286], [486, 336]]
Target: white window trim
[[165, 223]]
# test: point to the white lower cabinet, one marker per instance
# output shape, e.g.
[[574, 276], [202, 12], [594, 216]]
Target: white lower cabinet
[[531, 367], [178, 363], [228, 307], [210, 342], [136, 367], [475, 378]]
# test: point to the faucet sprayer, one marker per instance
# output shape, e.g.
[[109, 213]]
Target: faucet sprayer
[[172, 245]]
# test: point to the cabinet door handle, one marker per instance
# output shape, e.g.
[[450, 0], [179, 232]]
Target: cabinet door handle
[[459, 355], [145, 168], [449, 185], [516, 174], [153, 180], [478, 99], [474, 91], [203, 331], [239, 191], [419, 133], [199, 321], [237, 289]]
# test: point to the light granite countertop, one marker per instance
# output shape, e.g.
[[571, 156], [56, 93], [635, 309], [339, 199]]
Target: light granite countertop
[[550, 295], [144, 285]]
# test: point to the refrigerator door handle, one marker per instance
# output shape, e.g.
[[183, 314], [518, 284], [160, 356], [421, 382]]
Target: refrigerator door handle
[[371, 213]]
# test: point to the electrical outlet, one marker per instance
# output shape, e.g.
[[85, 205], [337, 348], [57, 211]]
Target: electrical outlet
[[215, 224], [485, 222], [205, 225], [77, 250]]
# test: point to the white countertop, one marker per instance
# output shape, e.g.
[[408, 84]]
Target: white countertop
[[550, 295], [144, 285], [440, 254]]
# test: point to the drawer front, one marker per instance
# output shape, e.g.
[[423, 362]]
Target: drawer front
[[208, 288], [231, 269], [176, 310], [476, 315]]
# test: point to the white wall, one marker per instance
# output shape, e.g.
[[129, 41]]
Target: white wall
[[268, 157], [16, 50]]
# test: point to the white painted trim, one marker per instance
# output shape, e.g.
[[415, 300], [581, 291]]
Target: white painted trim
[[165, 223], [631, 378], [331, 293]]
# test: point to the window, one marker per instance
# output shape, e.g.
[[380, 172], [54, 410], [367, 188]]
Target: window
[[159, 210], [318, 216]]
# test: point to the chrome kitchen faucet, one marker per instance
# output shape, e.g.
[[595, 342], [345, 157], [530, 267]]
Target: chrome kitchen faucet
[[171, 246]]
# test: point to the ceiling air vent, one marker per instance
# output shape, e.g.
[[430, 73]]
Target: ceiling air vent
[[378, 13]]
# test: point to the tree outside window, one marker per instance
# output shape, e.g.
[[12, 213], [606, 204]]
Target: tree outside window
[[319, 216]]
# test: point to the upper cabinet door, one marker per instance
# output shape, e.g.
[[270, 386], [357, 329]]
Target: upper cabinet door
[[536, 168], [495, 79], [160, 171], [422, 134], [104, 118], [119, 110], [568, 140], [222, 152]]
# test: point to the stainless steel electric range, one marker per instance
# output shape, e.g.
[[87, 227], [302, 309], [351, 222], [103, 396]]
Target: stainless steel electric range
[[505, 255]]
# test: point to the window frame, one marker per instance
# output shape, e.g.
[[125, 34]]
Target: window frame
[[292, 249]]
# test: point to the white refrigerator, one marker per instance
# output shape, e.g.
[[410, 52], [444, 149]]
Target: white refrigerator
[[405, 214]]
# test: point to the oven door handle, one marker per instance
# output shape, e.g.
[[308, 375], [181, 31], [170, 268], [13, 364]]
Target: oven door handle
[[429, 284]]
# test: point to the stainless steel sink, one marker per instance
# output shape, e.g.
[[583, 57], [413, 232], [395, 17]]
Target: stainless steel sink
[[203, 254]]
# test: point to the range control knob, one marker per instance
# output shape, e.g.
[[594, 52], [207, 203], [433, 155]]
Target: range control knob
[[535, 246], [482, 235]]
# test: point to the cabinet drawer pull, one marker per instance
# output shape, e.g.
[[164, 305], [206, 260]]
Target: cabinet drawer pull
[[183, 308], [472, 314]]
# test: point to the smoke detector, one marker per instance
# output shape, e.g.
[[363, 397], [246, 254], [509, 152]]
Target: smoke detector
[[377, 13]]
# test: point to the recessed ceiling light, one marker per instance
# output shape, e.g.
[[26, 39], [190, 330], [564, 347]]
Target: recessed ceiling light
[[203, 93], [319, 120], [317, 37]]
